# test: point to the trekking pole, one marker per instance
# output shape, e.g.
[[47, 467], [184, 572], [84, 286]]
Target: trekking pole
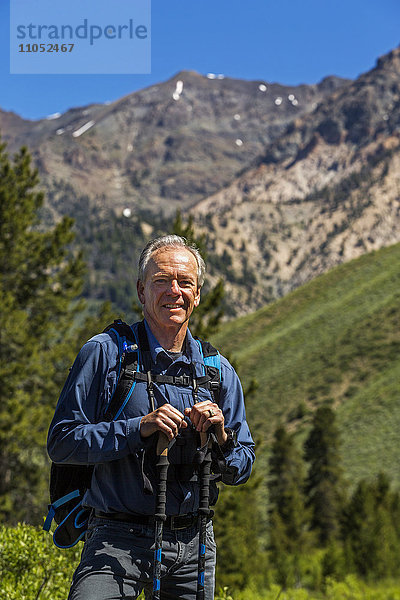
[[160, 516], [204, 511]]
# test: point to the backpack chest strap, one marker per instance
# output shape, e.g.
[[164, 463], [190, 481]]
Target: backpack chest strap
[[179, 380]]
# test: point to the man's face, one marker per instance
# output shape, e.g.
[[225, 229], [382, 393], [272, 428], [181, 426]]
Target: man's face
[[169, 292]]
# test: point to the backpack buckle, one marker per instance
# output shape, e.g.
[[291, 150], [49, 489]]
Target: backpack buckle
[[184, 380]]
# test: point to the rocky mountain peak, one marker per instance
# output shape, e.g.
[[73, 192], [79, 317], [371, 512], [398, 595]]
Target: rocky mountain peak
[[325, 191], [390, 61]]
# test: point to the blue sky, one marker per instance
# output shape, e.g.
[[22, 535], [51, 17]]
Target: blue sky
[[285, 41]]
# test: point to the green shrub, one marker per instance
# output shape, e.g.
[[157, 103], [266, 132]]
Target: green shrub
[[31, 567], [354, 589]]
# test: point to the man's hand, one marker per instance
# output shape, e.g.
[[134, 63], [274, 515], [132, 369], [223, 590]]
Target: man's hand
[[203, 415], [166, 419]]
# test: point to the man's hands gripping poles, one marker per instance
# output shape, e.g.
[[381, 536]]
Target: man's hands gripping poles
[[168, 420]]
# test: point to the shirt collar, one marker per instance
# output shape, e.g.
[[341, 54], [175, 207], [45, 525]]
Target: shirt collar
[[191, 350]]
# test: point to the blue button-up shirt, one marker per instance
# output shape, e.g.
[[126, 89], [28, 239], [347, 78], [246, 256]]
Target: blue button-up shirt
[[79, 434]]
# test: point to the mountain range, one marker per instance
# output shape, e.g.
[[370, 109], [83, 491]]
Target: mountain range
[[166, 146], [286, 181]]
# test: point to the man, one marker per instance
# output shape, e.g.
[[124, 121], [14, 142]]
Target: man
[[117, 557]]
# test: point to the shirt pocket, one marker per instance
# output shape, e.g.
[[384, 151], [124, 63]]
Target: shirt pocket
[[204, 394], [178, 396]]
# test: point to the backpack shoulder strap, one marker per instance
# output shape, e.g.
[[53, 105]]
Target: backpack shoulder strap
[[212, 366], [128, 350], [211, 355], [123, 331]]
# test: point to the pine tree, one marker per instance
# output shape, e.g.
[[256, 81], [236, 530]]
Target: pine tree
[[39, 278], [238, 533], [324, 484], [370, 529], [289, 535], [187, 231]]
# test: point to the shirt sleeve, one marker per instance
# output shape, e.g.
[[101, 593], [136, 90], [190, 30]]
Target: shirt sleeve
[[77, 433], [240, 459]]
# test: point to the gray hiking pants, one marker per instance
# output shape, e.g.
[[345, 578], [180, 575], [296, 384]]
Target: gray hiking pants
[[117, 563]]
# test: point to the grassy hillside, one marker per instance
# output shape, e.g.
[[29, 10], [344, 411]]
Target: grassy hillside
[[336, 340]]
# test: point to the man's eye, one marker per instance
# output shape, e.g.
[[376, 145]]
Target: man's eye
[[186, 283]]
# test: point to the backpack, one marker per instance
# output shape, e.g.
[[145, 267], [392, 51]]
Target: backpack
[[68, 483]]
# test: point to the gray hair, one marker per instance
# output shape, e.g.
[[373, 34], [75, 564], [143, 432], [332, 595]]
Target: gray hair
[[171, 241]]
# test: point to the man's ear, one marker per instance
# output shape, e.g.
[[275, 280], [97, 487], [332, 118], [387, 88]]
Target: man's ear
[[140, 291], [197, 298]]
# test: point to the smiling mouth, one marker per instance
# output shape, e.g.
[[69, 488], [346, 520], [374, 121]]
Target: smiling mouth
[[173, 306]]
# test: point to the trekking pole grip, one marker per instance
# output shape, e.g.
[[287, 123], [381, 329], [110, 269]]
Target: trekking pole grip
[[160, 516], [204, 499], [162, 473], [204, 511]]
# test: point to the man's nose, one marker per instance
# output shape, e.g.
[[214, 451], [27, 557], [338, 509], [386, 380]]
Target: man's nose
[[174, 289]]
